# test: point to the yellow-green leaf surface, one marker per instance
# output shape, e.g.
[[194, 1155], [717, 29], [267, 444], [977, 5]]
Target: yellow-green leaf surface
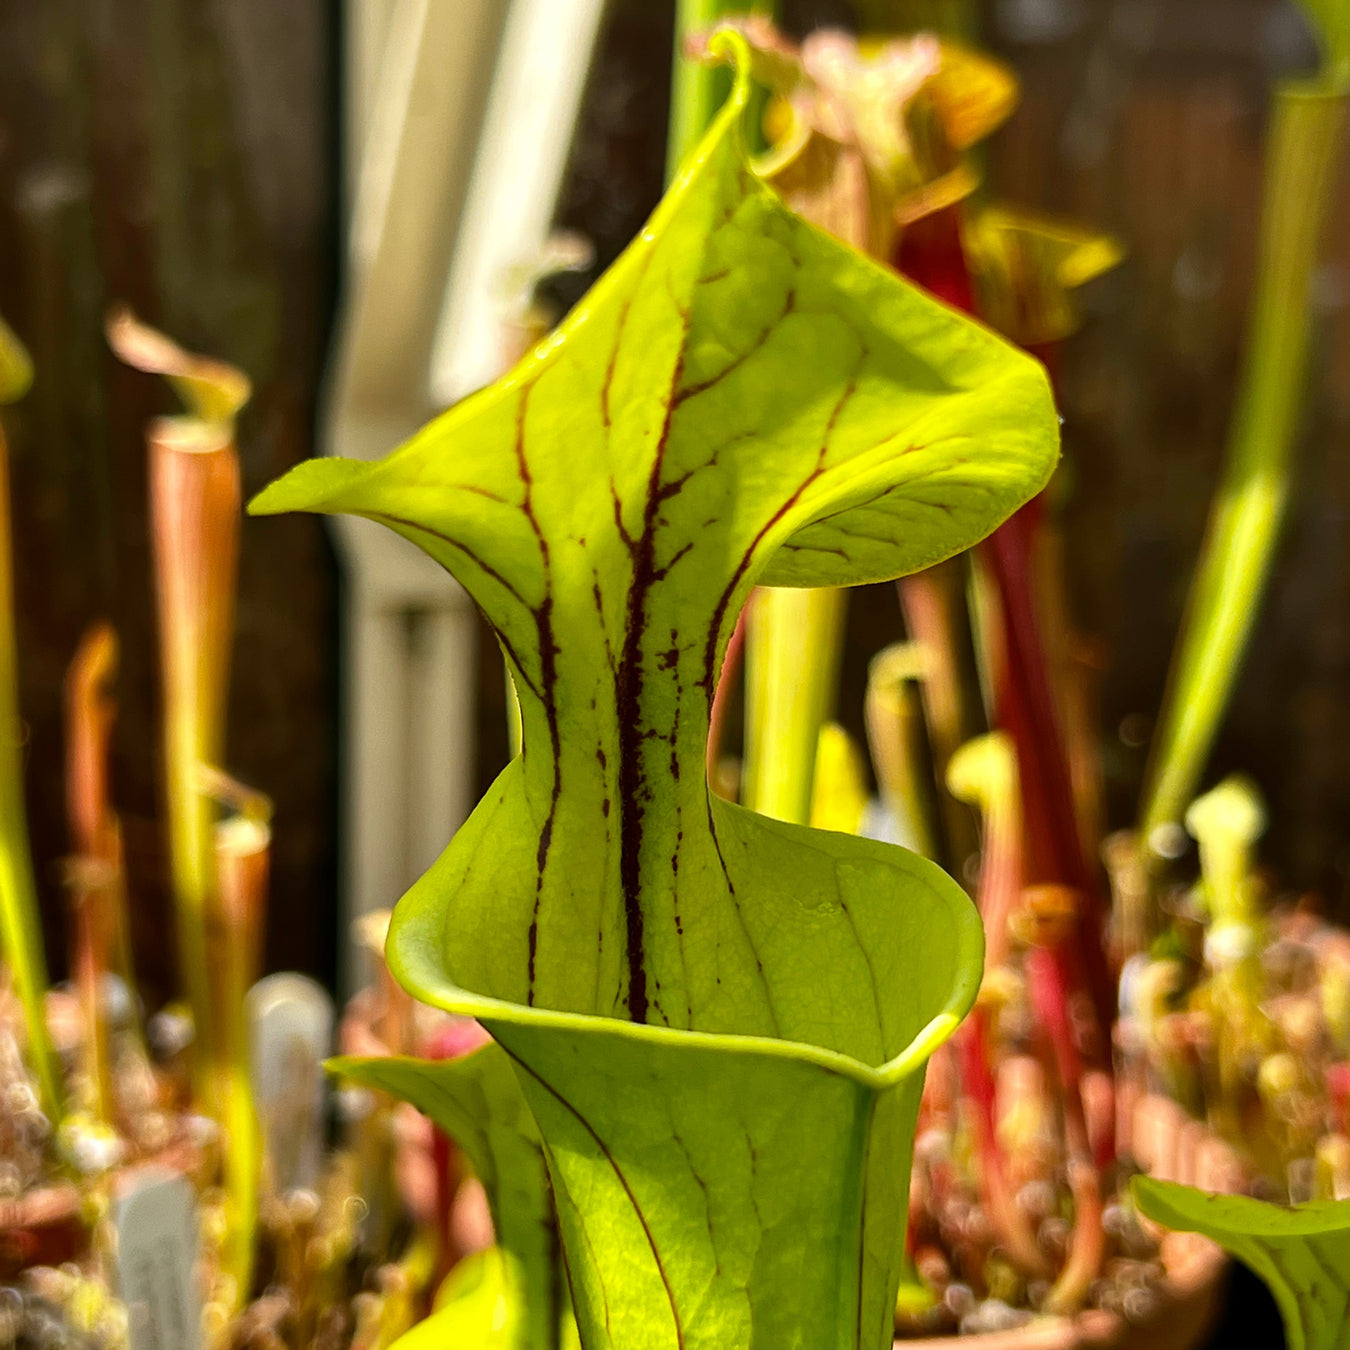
[[478, 1103], [475, 1310], [16, 366], [1301, 1252], [719, 1021]]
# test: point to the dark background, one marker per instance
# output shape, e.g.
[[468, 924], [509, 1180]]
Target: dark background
[[182, 155], [178, 155]]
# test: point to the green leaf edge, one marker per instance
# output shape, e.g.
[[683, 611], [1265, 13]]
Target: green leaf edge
[[1187, 1207], [1245, 1228], [319, 484], [412, 954]]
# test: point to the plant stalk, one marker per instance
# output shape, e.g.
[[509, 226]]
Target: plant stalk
[[20, 927], [1245, 520], [698, 91], [900, 747], [983, 773], [1049, 984], [792, 651], [1026, 708], [938, 619], [96, 872], [195, 498], [243, 851], [194, 490], [1226, 823]]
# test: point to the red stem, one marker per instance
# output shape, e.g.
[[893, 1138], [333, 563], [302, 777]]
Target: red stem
[[1048, 984], [931, 252], [449, 1043], [1026, 710], [1000, 1204]]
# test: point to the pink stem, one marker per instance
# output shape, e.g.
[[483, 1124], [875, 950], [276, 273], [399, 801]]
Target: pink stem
[[1026, 709], [1013, 1227]]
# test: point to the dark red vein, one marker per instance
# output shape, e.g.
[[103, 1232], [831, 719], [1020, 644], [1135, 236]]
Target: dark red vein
[[693, 390], [547, 692], [634, 792], [496, 576], [486, 568], [743, 566], [740, 918]]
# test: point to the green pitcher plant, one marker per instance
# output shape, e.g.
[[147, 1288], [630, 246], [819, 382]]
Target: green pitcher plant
[[719, 1021], [475, 1099], [194, 514]]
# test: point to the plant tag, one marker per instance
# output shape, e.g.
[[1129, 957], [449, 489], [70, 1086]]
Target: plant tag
[[156, 1223], [291, 1034]]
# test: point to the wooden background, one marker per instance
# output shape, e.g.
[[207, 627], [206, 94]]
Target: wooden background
[[181, 155], [1147, 118], [178, 155]]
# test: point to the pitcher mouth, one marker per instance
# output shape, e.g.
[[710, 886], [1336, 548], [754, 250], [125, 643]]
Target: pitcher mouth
[[412, 938]]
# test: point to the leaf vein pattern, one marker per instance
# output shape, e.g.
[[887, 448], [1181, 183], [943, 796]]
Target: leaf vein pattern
[[702, 387], [548, 684], [561, 1189], [627, 1189]]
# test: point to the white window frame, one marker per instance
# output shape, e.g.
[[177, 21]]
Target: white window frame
[[459, 117]]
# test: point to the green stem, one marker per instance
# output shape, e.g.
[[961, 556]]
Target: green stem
[[194, 505], [194, 490], [697, 91], [242, 856], [901, 753], [20, 928], [94, 875], [937, 616], [1236, 556], [1226, 823], [793, 646]]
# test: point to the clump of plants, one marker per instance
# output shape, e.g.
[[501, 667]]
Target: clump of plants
[[145, 1192], [1238, 1004], [981, 736], [674, 1006], [1228, 1054]]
